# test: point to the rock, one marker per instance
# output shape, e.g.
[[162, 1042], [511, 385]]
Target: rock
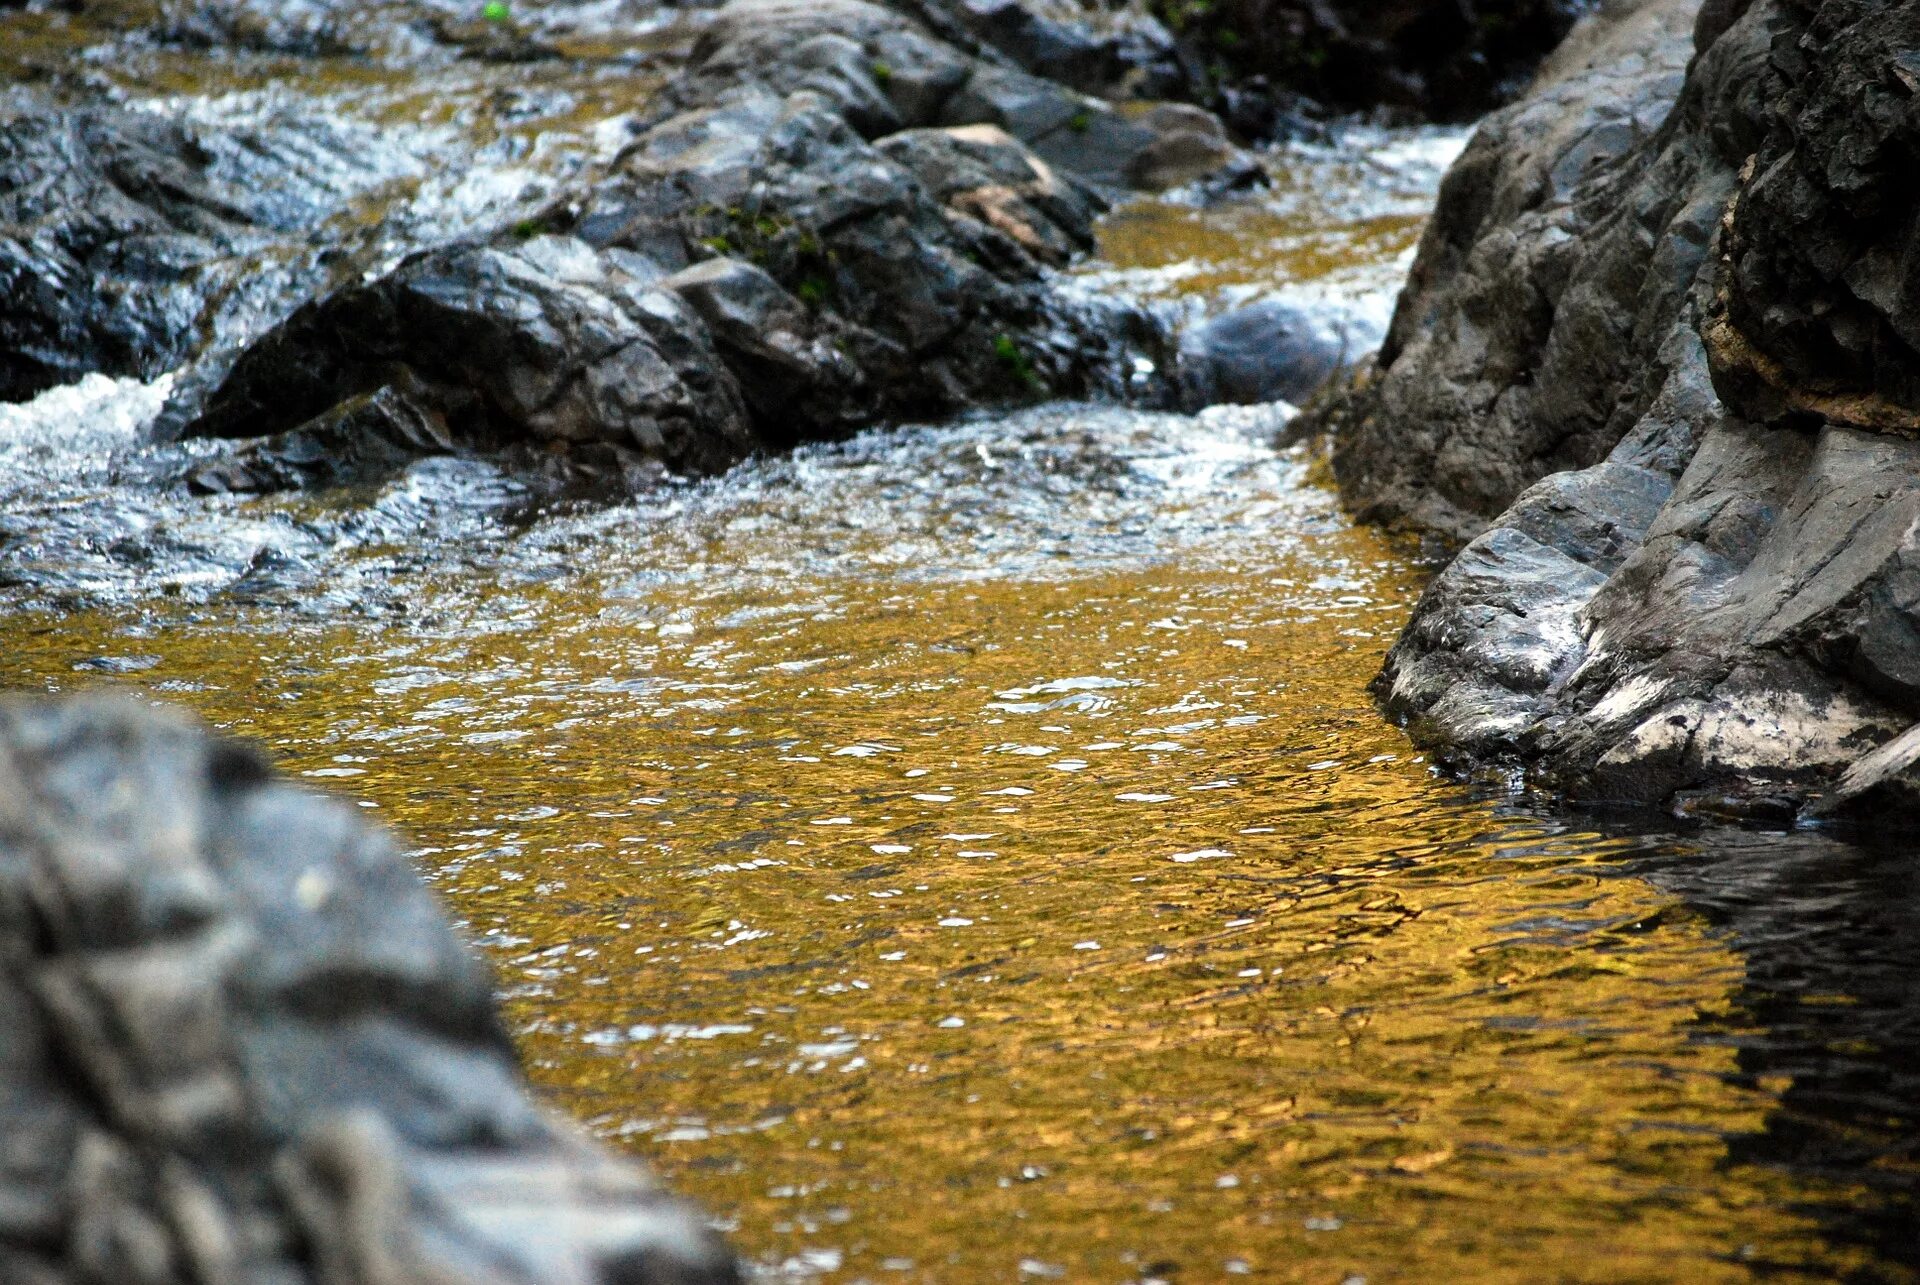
[[1189, 146], [1449, 60], [1529, 336], [1816, 311], [115, 240], [545, 341], [1684, 340], [1120, 52], [980, 172], [131, 242], [243, 1044], [362, 439], [795, 248], [1265, 351], [798, 383]]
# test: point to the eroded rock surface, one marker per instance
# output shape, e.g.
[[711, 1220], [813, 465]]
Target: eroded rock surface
[[129, 241], [242, 1044], [1655, 368]]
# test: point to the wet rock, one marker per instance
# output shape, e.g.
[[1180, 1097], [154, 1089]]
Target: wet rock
[[362, 439], [242, 1043], [1189, 146], [1818, 306], [799, 385], [546, 341], [1265, 351], [1530, 335], [1111, 52], [130, 242], [1688, 342], [110, 226], [982, 173], [835, 220]]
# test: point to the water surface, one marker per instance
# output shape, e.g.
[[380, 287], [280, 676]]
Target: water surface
[[968, 852]]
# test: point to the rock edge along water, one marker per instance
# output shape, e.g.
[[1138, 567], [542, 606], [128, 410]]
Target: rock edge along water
[[242, 1043], [832, 219], [1655, 368], [833, 216]]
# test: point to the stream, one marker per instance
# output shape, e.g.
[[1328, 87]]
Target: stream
[[969, 851]]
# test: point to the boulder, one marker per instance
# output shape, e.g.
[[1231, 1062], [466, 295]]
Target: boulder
[[835, 220], [123, 243], [242, 1043], [544, 341], [1265, 351], [1655, 365]]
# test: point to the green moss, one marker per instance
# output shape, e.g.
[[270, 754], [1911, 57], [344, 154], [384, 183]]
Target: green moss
[[1080, 122], [1015, 359], [882, 73], [717, 244], [813, 290], [495, 11], [527, 229]]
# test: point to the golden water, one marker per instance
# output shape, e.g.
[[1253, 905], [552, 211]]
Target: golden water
[[932, 921], [969, 853]]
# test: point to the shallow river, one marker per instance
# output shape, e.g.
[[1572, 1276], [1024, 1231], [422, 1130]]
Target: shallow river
[[969, 853]]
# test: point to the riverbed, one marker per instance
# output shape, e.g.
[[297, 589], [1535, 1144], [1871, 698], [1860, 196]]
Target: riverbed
[[969, 851]]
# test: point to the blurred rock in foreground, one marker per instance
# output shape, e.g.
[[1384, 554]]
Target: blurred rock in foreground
[[240, 1042]]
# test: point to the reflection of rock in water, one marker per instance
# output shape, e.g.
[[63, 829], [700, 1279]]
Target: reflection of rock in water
[[239, 1042], [1832, 1004]]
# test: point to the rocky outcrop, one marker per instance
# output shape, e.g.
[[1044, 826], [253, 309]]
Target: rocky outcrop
[[835, 219], [1655, 368], [242, 1044]]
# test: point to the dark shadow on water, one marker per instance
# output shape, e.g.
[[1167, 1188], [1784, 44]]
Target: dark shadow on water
[[1828, 1018]]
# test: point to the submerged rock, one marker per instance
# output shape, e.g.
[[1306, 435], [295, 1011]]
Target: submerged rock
[[241, 1043], [1651, 366]]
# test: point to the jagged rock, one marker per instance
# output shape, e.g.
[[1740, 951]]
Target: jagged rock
[[242, 1043], [1816, 312], [133, 240], [118, 242], [1529, 336], [1113, 52], [362, 439], [1714, 605], [546, 341], [794, 250]]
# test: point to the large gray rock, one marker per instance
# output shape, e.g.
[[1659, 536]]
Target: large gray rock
[[1663, 380], [542, 341], [834, 219], [239, 1043]]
